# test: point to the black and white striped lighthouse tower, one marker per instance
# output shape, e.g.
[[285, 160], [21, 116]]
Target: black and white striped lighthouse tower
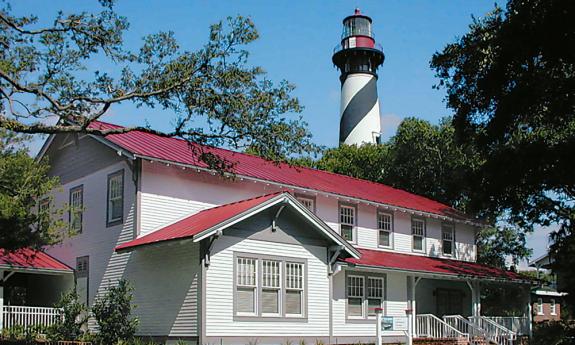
[[358, 58]]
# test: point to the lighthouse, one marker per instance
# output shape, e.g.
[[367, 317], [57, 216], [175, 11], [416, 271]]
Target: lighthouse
[[358, 57]]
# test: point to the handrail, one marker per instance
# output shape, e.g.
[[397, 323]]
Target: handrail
[[494, 331], [429, 325], [517, 324]]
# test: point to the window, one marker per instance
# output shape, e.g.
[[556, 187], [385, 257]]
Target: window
[[115, 211], [384, 224], [355, 296], [552, 307], [418, 233], [309, 203], [447, 239], [347, 222], [246, 286], [44, 214], [82, 266], [374, 294], [294, 288], [76, 208], [540, 306], [269, 287], [365, 294]]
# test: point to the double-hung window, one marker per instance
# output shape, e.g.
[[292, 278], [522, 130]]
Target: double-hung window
[[374, 294], [447, 238], [246, 286], [76, 212], [365, 293], [115, 205], [269, 287], [294, 288], [355, 295], [418, 234], [552, 307], [309, 203], [347, 221], [540, 306], [385, 227]]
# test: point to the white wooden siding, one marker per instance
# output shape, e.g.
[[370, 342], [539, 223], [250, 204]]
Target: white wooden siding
[[220, 289]]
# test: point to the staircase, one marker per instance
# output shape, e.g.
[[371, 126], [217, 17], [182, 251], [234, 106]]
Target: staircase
[[481, 330]]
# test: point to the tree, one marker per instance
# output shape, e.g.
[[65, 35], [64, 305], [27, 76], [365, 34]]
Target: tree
[[24, 186], [425, 159], [510, 82], [71, 320], [113, 312], [45, 74]]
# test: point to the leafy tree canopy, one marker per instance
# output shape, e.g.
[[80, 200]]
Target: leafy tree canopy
[[511, 84], [216, 96]]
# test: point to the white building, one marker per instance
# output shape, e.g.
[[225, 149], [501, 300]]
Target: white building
[[274, 254]]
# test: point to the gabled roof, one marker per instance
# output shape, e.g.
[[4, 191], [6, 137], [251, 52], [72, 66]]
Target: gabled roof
[[31, 260], [208, 222], [172, 150], [431, 265]]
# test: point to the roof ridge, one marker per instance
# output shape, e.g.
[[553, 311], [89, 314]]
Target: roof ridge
[[304, 168]]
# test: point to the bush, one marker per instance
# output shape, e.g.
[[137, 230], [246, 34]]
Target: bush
[[112, 312], [73, 318], [554, 333], [21, 334]]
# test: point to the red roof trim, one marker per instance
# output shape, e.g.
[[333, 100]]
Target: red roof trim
[[154, 147], [29, 259], [197, 223], [431, 265]]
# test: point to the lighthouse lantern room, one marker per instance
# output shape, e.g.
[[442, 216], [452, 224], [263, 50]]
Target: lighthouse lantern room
[[358, 57]]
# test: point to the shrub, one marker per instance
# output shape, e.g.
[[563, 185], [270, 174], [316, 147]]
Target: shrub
[[113, 311], [554, 333], [72, 318]]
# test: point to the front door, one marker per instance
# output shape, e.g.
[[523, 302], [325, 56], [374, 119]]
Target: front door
[[449, 302]]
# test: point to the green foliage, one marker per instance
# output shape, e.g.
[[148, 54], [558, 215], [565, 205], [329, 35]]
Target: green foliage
[[553, 333], [72, 319], [112, 312], [20, 333], [216, 96], [496, 243], [509, 80], [23, 183]]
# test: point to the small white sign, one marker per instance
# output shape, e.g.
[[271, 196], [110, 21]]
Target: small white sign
[[394, 323], [400, 324]]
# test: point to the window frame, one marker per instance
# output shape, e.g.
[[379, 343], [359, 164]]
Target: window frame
[[120, 220], [552, 306], [452, 240], [258, 315], [540, 310], [366, 276], [423, 236], [353, 207], [379, 229], [72, 209], [300, 197]]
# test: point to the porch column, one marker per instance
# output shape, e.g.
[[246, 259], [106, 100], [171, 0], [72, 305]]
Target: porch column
[[475, 288], [412, 305], [1, 300]]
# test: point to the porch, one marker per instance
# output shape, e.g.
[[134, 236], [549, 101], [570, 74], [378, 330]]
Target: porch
[[31, 282]]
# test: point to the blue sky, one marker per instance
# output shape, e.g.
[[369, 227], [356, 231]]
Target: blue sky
[[296, 43]]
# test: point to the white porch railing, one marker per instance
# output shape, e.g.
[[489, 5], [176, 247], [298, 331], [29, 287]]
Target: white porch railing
[[494, 331], [29, 316], [430, 326], [465, 326], [519, 325]]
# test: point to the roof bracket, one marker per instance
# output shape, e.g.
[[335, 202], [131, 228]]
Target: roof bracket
[[336, 251], [283, 205], [208, 251]]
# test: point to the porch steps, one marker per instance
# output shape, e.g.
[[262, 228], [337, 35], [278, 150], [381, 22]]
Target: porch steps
[[440, 341]]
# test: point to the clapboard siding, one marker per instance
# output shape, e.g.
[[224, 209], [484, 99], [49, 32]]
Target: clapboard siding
[[73, 156], [219, 290], [166, 284]]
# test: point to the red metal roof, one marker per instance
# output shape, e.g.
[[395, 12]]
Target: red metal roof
[[426, 264], [32, 260], [176, 150], [195, 224]]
